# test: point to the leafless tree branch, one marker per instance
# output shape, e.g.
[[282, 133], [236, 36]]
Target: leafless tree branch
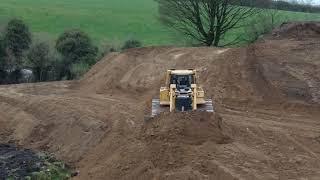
[[205, 21]]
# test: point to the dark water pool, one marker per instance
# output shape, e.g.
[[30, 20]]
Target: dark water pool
[[18, 163]]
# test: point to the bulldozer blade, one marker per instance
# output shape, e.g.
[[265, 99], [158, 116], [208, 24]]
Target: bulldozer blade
[[157, 108], [208, 106]]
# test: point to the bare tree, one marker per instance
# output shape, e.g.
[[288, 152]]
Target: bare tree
[[205, 21]]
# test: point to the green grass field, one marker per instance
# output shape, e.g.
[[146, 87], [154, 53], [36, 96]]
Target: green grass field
[[104, 20]]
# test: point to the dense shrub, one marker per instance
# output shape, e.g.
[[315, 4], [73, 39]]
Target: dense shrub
[[17, 37], [3, 76], [108, 47], [14, 76], [58, 71], [79, 69], [13, 43], [76, 46], [72, 56], [39, 61], [2, 61], [132, 43]]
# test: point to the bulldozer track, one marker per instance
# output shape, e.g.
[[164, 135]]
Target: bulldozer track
[[158, 109]]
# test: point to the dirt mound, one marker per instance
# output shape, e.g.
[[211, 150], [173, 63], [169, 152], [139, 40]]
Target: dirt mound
[[291, 67], [298, 30], [137, 70], [189, 128], [172, 139], [224, 72], [273, 70], [166, 147]]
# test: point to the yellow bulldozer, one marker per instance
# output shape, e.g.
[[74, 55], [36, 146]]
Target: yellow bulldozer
[[181, 93]]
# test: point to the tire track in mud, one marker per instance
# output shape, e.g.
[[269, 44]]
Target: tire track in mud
[[283, 150]]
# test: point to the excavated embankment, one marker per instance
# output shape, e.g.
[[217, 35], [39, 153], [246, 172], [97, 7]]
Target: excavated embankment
[[266, 124]]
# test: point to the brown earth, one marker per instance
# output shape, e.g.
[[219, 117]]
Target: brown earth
[[266, 125]]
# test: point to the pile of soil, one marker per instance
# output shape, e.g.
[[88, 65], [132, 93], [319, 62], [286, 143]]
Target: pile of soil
[[272, 70], [166, 147], [298, 30], [18, 163], [189, 128], [173, 139]]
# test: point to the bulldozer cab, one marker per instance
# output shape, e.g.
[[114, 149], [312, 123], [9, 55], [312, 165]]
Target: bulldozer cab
[[181, 78], [182, 81]]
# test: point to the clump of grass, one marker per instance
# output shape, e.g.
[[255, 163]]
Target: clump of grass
[[131, 43], [53, 169]]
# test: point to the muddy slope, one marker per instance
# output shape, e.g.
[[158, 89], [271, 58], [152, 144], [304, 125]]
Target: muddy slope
[[273, 69]]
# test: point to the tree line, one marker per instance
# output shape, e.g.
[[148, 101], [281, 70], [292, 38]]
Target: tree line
[[23, 59], [293, 5], [18, 54]]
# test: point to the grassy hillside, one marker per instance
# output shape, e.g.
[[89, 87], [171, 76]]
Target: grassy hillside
[[104, 20]]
